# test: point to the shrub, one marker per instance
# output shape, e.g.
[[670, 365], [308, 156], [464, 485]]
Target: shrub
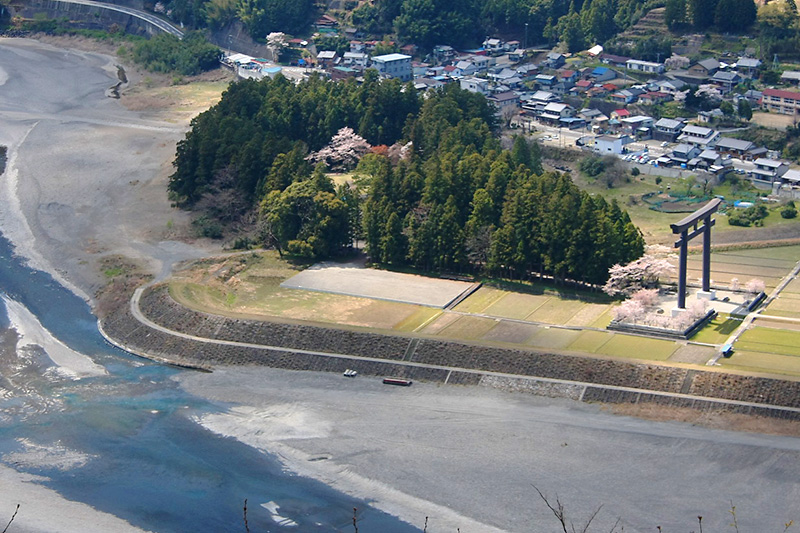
[[753, 215], [735, 219], [788, 212], [658, 179], [592, 166], [207, 227]]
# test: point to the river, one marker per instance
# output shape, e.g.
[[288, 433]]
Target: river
[[122, 439]]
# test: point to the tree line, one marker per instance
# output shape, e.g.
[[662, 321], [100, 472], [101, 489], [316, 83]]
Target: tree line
[[437, 192]]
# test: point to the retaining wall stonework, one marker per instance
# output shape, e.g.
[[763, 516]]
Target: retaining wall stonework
[[539, 372]]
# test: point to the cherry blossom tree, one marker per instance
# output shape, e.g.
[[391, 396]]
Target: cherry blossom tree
[[754, 286], [647, 297], [343, 152], [643, 273]]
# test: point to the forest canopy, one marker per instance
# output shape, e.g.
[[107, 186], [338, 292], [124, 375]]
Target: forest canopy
[[436, 191]]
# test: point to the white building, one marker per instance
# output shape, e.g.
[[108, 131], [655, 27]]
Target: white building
[[393, 66], [606, 144], [475, 85], [644, 66]]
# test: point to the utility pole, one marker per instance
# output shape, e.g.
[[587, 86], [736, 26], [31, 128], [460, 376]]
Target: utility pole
[[525, 42]]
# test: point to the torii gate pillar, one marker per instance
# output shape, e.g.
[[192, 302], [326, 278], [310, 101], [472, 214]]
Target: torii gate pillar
[[688, 230]]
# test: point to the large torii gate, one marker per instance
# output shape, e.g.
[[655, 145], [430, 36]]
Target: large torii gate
[[691, 222]]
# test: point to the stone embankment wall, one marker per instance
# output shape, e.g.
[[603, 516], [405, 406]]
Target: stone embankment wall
[[86, 16], [334, 350]]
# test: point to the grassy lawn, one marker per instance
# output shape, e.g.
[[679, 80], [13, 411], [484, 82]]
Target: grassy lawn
[[553, 338], [511, 332], [417, 319], [770, 340], [793, 287], [787, 304], [480, 300], [514, 305], [556, 311], [340, 178], [590, 341], [763, 362], [468, 327], [249, 286], [655, 224], [638, 348], [590, 314], [718, 330]]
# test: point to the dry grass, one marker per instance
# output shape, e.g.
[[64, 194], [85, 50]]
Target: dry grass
[[710, 419]]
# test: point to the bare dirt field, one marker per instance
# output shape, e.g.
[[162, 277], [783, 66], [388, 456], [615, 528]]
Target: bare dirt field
[[773, 120], [353, 279]]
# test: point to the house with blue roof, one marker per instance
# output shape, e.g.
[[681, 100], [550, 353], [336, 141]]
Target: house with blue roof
[[601, 74]]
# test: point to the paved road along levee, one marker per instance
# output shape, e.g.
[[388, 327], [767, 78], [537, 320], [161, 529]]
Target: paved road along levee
[[157, 327]]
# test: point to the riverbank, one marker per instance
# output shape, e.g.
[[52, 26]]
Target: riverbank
[[90, 181], [86, 176]]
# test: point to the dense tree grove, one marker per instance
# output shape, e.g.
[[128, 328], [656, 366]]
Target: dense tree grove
[[465, 23], [451, 200], [166, 53]]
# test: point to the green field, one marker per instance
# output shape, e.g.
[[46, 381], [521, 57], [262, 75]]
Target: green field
[[518, 314], [770, 340], [718, 330]]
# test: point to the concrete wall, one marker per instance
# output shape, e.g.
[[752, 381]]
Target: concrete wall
[[84, 16]]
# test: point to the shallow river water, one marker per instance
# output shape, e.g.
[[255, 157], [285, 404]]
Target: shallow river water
[[122, 438]]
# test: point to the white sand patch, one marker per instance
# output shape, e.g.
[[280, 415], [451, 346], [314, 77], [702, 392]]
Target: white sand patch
[[37, 456], [270, 433], [72, 364], [261, 426], [44, 510], [15, 226]]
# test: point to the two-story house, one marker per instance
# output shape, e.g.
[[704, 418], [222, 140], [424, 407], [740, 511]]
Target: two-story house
[[699, 136], [768, 169], [667, 129]]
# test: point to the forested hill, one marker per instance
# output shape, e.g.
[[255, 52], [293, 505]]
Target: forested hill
[[451, 200], [428, 22]]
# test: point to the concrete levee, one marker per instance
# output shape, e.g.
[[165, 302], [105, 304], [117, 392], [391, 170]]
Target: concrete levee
[[308, 347]]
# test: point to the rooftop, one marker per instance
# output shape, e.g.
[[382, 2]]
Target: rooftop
[[791, 95], [391, 57]]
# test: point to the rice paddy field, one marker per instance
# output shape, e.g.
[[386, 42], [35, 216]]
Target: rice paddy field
[[522, 315]]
